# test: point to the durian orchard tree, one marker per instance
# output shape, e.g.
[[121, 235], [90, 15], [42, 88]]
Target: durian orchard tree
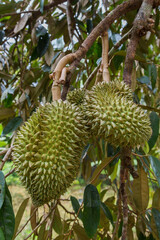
[[79, 94]]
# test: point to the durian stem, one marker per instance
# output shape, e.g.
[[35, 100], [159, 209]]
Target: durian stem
[[105, 47], [56, 89]]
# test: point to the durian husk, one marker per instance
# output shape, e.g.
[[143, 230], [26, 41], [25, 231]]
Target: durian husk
[[47, 150], [76, 96], [113, 115]]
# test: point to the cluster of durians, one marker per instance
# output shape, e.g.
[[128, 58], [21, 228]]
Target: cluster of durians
[[48, 146]]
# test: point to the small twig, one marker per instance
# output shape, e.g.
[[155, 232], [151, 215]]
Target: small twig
[[26, 222], [139, 155], [41, 221], [10, 172], [64, 200], [60, 204], [149, 108], [70, 232], [70, 22], [3, 151], [6, 157]]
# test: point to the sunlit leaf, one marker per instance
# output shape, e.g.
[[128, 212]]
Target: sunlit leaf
[[19, 214], [33, 219], [107, 212]]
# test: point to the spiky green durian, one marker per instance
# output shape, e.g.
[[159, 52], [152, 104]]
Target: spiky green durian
[[47, 150], [113, 115], [116, 88], [76, 96]]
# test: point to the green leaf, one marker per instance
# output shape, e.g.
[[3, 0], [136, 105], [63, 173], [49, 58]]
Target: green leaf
[[40, 31], [19, 214], [79, 232], [143, 79], [91, 213], [155, 163], [76, 207], [57, 223], [2, 34], [155, 129], [42, 231], [155, 205], [107, 212], [1, 234], [153, 74], [89, 25], [8, 194], [156, 216], [99, 169], [2, 188], [7, 219], [40, 50], [140, 190], [6, 113], [41, 5], [7, 7], [12, 125]]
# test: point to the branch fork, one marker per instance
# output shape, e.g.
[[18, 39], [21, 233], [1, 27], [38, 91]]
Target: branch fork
[[59, 75]]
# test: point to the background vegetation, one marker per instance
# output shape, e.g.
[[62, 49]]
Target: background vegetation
[[34, 36]]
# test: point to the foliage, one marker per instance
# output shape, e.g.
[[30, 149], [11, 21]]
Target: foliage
[[31, 45]]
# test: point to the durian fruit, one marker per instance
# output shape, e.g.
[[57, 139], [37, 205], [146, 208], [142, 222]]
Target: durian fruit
[[113, 115], [116, 88], [47, 150], [76, 96]]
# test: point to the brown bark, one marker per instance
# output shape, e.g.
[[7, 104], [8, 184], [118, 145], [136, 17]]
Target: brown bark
[[140, 26]]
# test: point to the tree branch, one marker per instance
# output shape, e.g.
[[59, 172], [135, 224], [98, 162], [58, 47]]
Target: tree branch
[[35, 12], [140, 26], [101, 28]]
